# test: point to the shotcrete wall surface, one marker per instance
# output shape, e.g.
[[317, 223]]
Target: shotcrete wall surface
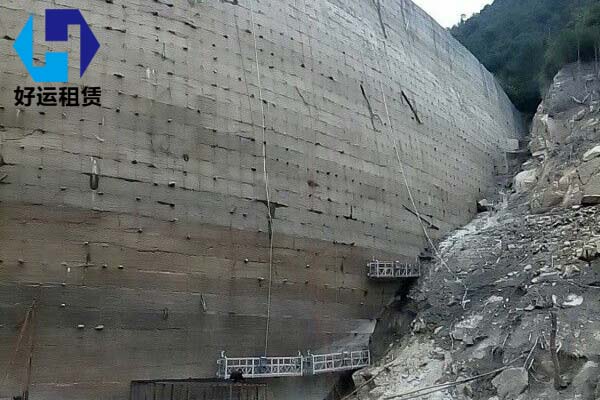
[[167, 262]]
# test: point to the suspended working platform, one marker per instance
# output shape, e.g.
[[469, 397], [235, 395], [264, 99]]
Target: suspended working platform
[[389, 270], [334, 362], [261, 367], [280, 367]]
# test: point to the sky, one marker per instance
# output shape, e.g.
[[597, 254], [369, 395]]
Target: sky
[[448, 12]]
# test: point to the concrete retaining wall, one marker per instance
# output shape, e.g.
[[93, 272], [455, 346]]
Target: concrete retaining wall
[[171, 253]]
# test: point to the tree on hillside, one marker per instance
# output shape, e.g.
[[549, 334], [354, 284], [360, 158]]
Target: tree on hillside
[[579, 41], [523, 42]]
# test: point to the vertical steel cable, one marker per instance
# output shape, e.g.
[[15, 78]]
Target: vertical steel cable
[[266, 179]]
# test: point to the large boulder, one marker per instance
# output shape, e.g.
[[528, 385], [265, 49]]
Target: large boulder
[[586, 381], [590, 200], [545, 198], [588, 169], [525, 180], [591, 190], [511, 383], [591, 154], [363, 379]]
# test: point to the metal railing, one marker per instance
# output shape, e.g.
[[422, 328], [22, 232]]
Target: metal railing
[[392, 270], [277, 367], [323, 363], [261, 367]]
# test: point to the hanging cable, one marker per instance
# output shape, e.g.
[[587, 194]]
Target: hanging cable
[[266, 179], [30, 356], [18, 345], [411, 197]]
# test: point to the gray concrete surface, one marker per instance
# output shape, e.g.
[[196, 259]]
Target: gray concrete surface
[[177, 272]]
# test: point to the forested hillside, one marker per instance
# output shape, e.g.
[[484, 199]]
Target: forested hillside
[[525, 42]]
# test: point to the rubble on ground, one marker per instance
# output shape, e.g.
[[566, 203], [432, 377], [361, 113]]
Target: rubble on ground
[[483, 315], [516, 268]]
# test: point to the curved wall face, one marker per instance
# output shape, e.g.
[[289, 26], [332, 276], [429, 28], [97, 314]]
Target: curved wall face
[[170, 255]]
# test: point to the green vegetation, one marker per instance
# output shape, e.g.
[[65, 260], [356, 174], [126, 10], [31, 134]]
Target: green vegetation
[[526, 42]]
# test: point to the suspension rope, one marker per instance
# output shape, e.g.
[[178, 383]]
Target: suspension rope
[[410, 194], [18, 345], [31, 350], [266, 179]]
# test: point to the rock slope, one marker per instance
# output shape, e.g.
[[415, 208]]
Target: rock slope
[[482, 326], [565, 168]]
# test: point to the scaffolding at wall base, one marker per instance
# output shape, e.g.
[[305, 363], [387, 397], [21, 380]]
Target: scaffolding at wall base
[[280, 367]]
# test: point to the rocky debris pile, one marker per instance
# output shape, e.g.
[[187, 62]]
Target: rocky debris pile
[[512, 310], [488, 307], [418, 364]]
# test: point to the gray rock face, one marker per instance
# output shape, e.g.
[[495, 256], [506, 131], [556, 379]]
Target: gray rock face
[[511, 383], [591, 154], [586, 381], [565, 143], [590, 200]]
